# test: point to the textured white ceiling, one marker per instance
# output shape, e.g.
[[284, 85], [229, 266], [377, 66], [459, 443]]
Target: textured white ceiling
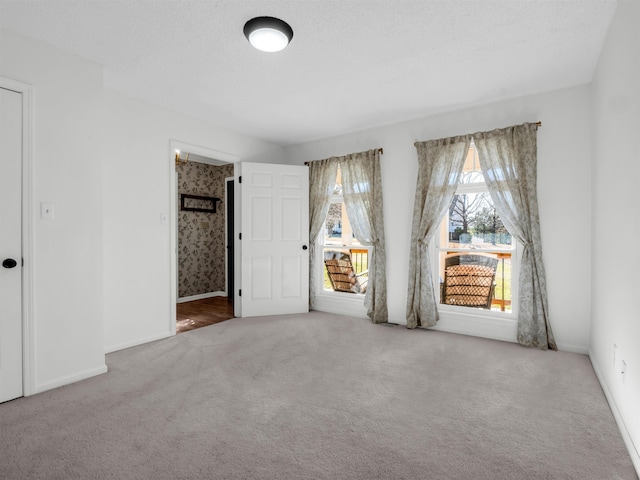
[[352, 64]]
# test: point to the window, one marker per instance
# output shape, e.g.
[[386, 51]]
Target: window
[[476, 253], [344, 260]]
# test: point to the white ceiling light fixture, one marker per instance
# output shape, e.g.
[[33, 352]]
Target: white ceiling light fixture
[[268, 34]]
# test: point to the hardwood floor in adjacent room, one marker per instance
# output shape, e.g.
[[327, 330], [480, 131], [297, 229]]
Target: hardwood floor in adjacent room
[[200, 313]]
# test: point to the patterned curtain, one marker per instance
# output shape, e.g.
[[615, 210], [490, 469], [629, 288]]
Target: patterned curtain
[[508, 158], [440, 163], [322, 180], [362, 192]]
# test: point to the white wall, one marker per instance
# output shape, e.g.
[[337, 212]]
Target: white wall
[[563, 188], [136, 184], [102, 267], [616, 220], [67, 158]]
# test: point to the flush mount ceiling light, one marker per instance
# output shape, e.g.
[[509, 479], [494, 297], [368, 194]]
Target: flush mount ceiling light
[[268, 34]]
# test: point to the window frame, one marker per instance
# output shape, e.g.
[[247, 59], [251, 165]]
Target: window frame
[[320, 247], [435, 248]]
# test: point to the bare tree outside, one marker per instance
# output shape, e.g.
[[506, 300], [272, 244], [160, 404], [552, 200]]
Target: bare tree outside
[[474, 215], [487, 222], [464, 208], [333, 222]]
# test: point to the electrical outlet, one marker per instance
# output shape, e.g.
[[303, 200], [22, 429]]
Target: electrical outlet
[[623, 372]]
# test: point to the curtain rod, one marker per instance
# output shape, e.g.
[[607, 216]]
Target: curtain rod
[[380, 150], [539, 124]]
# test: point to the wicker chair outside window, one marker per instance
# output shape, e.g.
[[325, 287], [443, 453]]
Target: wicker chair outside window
[[469, 281], [341, 273]]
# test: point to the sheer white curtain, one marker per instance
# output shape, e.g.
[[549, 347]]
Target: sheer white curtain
[[508, 158], [362, 193], [440, 163], [322, 181]]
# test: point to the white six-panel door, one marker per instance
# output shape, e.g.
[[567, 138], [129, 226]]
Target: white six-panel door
[[10, 245], [274, 244]]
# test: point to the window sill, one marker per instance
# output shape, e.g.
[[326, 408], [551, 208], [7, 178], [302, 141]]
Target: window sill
[[485, 324], [340, 303]]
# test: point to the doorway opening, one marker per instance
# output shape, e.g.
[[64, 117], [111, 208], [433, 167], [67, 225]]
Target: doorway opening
[[202, 313], [204, 226]]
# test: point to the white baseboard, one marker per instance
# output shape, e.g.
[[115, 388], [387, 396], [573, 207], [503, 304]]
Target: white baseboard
[[60, 382], [628, 441], [567, 347], [494, 328], [201, 296], [134, 343]]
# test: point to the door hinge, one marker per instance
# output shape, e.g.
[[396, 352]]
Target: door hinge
[[240, 236], [240, 179], [240, 292]]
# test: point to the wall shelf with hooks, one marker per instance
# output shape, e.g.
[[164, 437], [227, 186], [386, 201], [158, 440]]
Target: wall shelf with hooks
[[199, 203]]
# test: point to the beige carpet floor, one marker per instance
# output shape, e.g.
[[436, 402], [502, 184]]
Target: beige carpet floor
[[320, 396]]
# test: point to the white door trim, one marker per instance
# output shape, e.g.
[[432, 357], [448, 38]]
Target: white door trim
[[28, 347], [173, 212]]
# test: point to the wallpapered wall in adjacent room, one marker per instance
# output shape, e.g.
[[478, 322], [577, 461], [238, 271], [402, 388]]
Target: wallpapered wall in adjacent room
[[201, 242]]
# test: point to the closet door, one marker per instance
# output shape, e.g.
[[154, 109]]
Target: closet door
[[10, 245]]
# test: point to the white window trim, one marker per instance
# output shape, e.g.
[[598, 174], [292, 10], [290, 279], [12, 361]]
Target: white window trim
[[321, 291], [516, 256], [329, 300], [340, 303], [320, 246], [474, 321]]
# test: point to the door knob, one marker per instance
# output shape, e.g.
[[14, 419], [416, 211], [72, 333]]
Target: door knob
[[9, 263], [304, 247]]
